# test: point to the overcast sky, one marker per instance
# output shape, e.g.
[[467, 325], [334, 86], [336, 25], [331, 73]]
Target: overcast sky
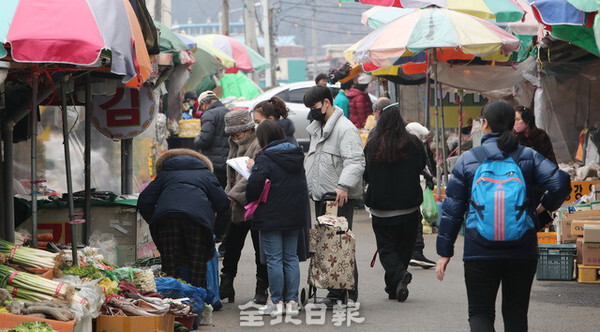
[[334, 25]]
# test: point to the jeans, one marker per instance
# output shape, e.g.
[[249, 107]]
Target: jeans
[[234, 243], [282, 264], [346, 211], [395, 238], [483, 278]]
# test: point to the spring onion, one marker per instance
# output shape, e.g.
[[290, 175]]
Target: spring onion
[[28, 294], [9, 276], [29, 257]]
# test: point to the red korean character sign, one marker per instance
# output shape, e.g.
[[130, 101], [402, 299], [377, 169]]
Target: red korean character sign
[[125, 114]]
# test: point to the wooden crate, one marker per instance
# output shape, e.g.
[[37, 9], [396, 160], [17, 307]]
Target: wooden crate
[[588, 274]]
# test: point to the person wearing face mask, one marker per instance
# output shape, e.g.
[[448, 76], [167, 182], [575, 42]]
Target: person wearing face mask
[[242, 143], [335, 161], [531, 136]]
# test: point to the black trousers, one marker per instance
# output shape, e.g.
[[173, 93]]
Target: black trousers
[[395, 238], [346, 211], [234, 243], [420, 243], [483, 278]]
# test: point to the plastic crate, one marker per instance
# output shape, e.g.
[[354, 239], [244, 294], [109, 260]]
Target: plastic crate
[[556, 261]]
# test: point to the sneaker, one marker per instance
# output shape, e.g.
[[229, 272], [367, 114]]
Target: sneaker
[[292, 308], [402, 288], [418, 259], [268, 308], [279, 310]]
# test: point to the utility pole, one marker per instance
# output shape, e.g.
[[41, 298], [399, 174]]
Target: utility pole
[[250, 30], [267, 22], [314, 42], [272, 49], [225, 18]]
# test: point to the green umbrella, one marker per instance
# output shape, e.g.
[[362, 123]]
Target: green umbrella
[[169, 42], [258, 61], [238, 85]]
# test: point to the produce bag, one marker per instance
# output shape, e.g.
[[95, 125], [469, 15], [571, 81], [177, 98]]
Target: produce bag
[[172, 288], [429, 208], [106, 244]]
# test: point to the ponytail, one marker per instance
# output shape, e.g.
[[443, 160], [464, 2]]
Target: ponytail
[[507, 142], [500, 116], [274, 107]]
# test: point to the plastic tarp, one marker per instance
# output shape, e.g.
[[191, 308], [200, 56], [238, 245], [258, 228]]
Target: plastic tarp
[[567, 102], [485, 77], [238, 85]]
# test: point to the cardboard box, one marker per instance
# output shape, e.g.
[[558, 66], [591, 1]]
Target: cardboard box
[[591, 233], [133, 324], [579, 246], [565, 231], [591, 254], [546, 237], [9, 321], [577, 226]]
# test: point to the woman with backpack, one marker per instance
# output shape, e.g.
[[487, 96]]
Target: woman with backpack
[[491, 183], [281, 218], [394, 161]]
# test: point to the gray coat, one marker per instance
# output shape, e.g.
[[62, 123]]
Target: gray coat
[[212, 140], [335, 157]]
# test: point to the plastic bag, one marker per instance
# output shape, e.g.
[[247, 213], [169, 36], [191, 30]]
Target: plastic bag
[[106, 244], [171, 288], [429, 208], [122, 273], [92, 293]]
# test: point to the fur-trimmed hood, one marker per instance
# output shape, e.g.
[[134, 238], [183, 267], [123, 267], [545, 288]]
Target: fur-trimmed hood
[[167, 155]]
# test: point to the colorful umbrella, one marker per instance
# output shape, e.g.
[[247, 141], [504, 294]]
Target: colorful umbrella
[[379, 15], [432, 28], [501, 10], [245, 58], [75, 32]]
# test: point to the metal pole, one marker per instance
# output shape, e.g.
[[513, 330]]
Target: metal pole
[[63, 99], [34, 181], [266, 27], [460, 119], [126, 166], [9, 210], [314, 42], [438, 173], [445, 153], [87, 158], [427, 99]]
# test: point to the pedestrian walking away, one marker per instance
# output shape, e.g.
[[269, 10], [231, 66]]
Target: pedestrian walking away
[[242, 143], [334, 163], [500, 248], [282, 217], [394, 161], [179, 205]]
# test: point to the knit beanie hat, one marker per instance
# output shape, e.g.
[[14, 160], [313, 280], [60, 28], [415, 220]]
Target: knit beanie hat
[[238, 121]]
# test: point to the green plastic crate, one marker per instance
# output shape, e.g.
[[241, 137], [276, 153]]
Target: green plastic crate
[[556, 261]]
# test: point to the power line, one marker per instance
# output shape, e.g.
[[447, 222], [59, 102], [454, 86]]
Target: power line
[[326, 30]]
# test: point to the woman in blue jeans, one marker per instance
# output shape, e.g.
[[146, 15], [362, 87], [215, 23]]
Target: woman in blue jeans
[[491, 261], [281, 217]]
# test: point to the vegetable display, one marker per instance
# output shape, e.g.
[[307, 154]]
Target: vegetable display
[[32, 326], [28, 257], [89, 272], [28, 281]]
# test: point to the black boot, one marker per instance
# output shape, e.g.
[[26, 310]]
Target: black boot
[[226, 288], [261, 294]]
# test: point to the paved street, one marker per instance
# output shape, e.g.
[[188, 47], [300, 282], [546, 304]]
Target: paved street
[[431, 305]]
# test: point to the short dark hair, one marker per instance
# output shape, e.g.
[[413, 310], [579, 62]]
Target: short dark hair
[[269, 131], [346, 85], [317, 94], [319, 77]]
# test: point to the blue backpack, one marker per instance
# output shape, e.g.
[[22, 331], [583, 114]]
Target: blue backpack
[[498, 207]]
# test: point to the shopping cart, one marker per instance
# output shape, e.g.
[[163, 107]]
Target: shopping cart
[[332, 262]]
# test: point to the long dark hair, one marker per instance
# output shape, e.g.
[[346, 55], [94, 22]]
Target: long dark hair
[[274, 107], [268, 131], [390, 141], [500, 116], [527, 116]]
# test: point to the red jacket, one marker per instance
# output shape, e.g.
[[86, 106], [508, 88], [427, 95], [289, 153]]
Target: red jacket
[[360, 107]]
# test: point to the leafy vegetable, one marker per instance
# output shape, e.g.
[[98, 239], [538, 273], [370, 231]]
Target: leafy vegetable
[[89, 272], [32, 327]]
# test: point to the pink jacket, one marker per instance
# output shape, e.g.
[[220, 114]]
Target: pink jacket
[[360, 107]]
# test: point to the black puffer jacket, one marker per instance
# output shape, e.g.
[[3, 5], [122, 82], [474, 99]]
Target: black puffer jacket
[[212, 140], [285, 209], [536, 169], [288, 129], [185, 185]]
